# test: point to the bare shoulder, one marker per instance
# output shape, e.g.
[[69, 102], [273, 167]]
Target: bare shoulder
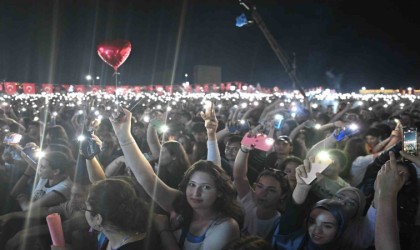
[[226, 224]]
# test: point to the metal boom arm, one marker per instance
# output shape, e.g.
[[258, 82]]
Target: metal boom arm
[[280, 53]]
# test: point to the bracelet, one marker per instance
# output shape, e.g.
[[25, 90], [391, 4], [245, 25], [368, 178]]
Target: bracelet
[[127, 143], [244, 151], [164, 230]]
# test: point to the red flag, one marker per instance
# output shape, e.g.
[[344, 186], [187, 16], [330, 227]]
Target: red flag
[[10, 87], [110, 89], [168, 88], [239, 85], [206, 88], [47, 88], [137, 89], [159, 88], [65, 86], [222, 87], [95, 88], [80, 88], [28, 88], [123, 89], [228, 85], [197, 88]]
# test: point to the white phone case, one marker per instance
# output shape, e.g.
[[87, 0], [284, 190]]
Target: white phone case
[[316, 167]]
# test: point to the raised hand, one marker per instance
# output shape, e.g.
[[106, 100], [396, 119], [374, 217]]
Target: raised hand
[[121, 124], [209, 117], [389, 180]]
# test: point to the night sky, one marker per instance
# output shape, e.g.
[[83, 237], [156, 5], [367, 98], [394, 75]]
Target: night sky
[[337, 43]]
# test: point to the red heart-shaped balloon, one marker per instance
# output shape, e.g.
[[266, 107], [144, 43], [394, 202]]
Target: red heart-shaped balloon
[[114, 53]]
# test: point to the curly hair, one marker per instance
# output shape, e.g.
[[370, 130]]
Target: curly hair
[[116, 201], [227, 204]]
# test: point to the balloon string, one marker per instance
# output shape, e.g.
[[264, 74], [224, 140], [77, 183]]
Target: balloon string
[[116, 87]]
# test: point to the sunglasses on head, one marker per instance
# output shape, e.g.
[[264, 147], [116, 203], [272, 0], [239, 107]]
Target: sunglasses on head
[[277, 172]]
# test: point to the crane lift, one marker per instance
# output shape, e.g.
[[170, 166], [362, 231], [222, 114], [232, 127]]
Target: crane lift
[[289, 65]]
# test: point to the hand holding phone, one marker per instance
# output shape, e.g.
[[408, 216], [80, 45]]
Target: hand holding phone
[[320, 163], [410, 140], [258, 141], [348, 131], [12, 138], [89, 147]]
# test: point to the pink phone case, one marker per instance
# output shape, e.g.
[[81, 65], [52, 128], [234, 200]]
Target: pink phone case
[[317, 167], [259, 141]]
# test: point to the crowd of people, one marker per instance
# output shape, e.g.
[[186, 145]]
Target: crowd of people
[[177, 171]]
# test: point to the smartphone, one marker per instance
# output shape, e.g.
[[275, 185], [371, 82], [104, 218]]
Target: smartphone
[[318, 166], [12, 138], [259, 141], [89, 147], [31, 153], [278, 120], [410, 140], [348, 131]]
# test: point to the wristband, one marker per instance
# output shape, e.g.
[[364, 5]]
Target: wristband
[[127, 143], [244, 151]]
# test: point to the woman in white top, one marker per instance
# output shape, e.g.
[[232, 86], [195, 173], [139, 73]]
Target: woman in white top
[[205, 204]]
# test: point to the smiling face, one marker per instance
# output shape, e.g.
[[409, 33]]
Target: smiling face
[[322, 226], [201, 191]]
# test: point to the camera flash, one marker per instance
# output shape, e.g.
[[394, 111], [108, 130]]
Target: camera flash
[[164, 128], [353, 126], [317, 126], [81, 138], [323, 155], [39, 154]]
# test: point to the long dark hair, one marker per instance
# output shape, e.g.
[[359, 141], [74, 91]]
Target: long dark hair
[[173, 172], [354, 148], [116, 201], [226, 205]]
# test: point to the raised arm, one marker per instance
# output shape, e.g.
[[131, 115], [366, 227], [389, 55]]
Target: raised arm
[[94, 168], [240, 169], [302, 189], [153, 139], [139, 165], [210, 122], [389, 181], [325, 144]]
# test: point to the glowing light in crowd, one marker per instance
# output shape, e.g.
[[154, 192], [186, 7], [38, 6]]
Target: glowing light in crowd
[[164, 128]]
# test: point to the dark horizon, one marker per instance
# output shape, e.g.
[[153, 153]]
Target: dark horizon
[[353, 43]]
